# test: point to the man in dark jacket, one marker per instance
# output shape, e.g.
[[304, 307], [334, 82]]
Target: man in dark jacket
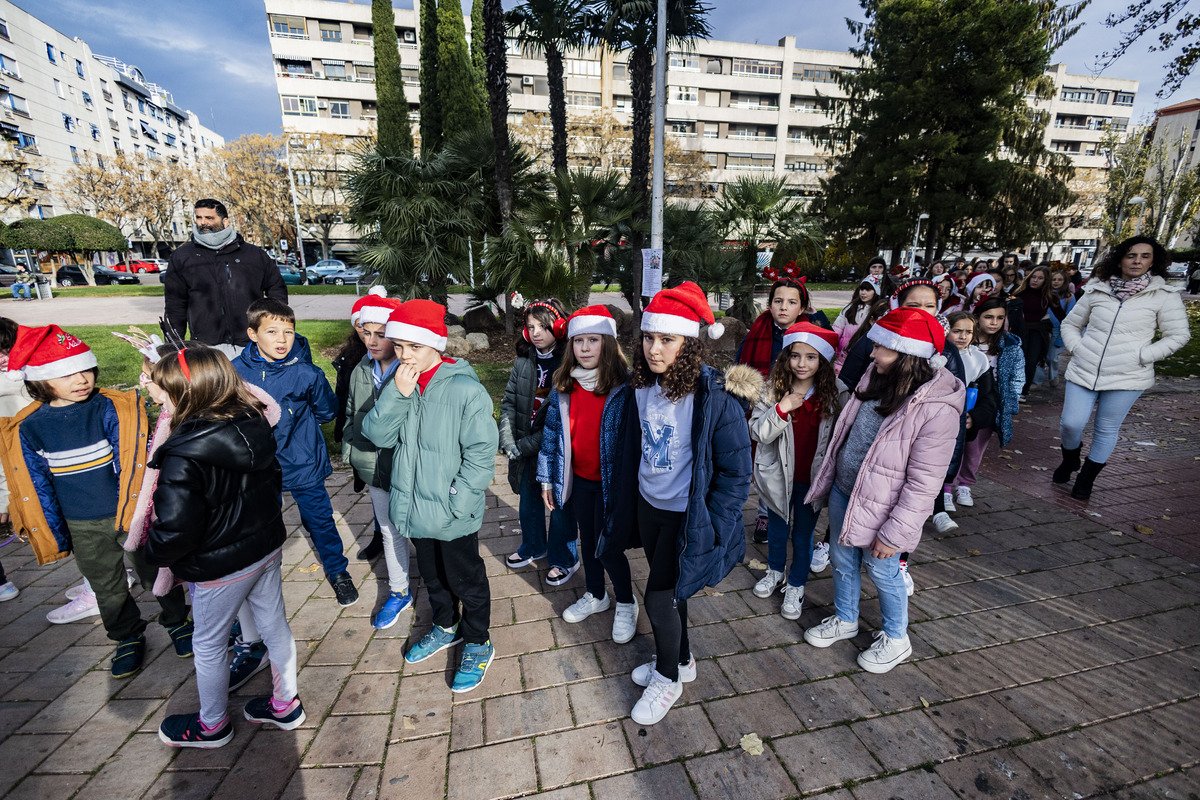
[[213, 279]]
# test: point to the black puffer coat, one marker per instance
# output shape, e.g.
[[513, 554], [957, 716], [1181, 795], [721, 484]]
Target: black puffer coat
[[218, 498]]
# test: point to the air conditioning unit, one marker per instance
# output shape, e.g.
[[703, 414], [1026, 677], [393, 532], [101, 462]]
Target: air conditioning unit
[[322, 104], [410, 36], [527, 80], [318, 74]]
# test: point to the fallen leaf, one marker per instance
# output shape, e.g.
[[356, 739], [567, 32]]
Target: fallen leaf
[[1143, 530], [1012, 466], [310, 569], [1116, 533], [1018, 452], [1006, 457], [1040, 469], [410, 723], [924, 702], [752, 744], [1165, 517], [1093, 513], [972, 552], [756, 564]]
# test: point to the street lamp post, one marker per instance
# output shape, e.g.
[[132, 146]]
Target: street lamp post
[[660, 101], [1140, 202], [912, 260], [287, 155]]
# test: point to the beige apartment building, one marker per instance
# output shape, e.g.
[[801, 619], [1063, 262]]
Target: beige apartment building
[[62, 105], [747, 108]]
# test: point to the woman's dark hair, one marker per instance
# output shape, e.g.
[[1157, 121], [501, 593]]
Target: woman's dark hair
[[785, 283], [8, 334], [877, 260], [41, 391], [878, 309], [613, 369], [543, 316], [1045, 289], [212, 388], [824, 383], [1110, 266], [893, 388], [903, 294], [352, 350], [851, 310], [680, 379], [991, 343]]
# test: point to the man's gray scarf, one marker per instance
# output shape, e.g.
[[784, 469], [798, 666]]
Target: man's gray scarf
[[215, 240]]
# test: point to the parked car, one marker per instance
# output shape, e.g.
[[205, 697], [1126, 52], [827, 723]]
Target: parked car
[[71, 275], [291, 276], [141, 265], [356, 274], [1177, 270], [328, 266]]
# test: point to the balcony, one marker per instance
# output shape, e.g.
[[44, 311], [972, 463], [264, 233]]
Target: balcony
[[753, 106], [280, 35], [751, 167], [750, 137], [682, 134]]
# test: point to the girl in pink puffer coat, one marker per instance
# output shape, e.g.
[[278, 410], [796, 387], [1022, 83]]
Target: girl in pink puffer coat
[[885, 465]]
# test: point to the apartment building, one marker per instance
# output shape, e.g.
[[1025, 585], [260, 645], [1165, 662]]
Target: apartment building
[[62, 105], [1177, 129], [747, 108]]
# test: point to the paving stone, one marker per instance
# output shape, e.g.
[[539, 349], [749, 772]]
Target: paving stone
[[1142, 745], [978, 723], [998, 773], [349, 740], [466, 725], [1074, 764], [964, 674], [73, 707], [131, 771], [904, 740], [503, 677], [582, 754], [89, 747], [368, 694], [668, 782], [319, 689], [564, 665], [763, 713], [527, 714], [825, 758], [1024, 661], [736, 775], [191, 785], [823, 703], [27, 750], [716, 639], [550, 605], [424, 700], [764, 669], [604, 699], [344, 642], [40, 787], [499, 770], [367, 785], [32, 655], [717, 607], [825, 662], [526, 637], [902, 688], [331, 784], [416, 770], [383, 655], [1048, 707], [160, 677], [770, 630], [14, 715], [684, 731]]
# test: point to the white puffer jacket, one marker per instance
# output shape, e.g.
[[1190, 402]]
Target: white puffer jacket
[[1111, 343]]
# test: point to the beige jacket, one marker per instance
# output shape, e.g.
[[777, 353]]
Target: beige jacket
[[774, 458], [13, 397]]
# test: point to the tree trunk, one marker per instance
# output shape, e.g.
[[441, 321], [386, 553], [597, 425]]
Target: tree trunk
[[497, 86], [641, 74], [558, 107]]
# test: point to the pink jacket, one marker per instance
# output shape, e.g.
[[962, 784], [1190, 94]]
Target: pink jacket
[[904, 469]]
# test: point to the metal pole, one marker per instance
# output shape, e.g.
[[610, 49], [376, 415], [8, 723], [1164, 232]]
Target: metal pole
[[660, 113], [287, 155]]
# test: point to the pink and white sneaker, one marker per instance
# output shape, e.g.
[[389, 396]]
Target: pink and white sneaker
[[83, 606], [657, 700]]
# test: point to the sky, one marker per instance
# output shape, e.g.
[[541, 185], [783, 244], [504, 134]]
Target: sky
[[215, 56]]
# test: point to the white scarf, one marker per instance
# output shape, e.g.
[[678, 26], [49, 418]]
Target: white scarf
[[588, 378]]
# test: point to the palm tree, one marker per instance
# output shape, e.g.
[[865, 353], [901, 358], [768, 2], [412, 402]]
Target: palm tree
[[555, 26], [755, 210], [496, 81]]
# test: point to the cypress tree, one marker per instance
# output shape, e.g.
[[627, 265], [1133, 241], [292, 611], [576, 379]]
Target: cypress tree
[[478, 61], [395, 133], [462, 107], [431, 104]]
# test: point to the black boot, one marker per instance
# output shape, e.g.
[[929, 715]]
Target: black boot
[[1087, 476], [1070, 463], [373, 548]]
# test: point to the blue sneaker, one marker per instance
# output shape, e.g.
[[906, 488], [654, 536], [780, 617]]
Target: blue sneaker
[[432, 643], [386, 617], [475, 661], [248, 660]]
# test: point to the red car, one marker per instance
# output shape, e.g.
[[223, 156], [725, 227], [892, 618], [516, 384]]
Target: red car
[[140, 266]]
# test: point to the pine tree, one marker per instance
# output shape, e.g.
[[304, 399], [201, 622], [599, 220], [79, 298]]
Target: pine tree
[[462, 106], [395, 132], [431, 104]]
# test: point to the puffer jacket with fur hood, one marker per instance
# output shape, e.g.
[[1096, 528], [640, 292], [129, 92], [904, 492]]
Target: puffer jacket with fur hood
[[903, 470], [774, 458], [1117, 351]]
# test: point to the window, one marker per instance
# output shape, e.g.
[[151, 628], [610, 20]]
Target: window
[[623, 103], [141, 105], [79, 67], [170, 139], [18, 105], [37, 177], [43, 212], [50, 53], [512, 46], [4, 28], [710, 133], [710, 159], [335, 69], [87, 99], [815, 74], [620, 72], [756, 67], [1123, 99], [1102, 98], [299, 106], [688, 95], [749, 161], [58, 89], [1070, 95], [807, 105], [9, 66], [100, 161], [331, 32], [583, 99], [288, 27], [339, 109], [806, 166], [26, 141], [365, 72], [95, 131], [149, 132], [684, 63], [298, 67], [116, 145], [581, 68], [69, 122], [74, 155]]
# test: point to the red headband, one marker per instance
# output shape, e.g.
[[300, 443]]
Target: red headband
[[187, 374], [542, 304]]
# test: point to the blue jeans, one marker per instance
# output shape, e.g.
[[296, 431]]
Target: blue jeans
[[316, 514], [1111, 409], [20, 287], [532, 514], [803, 522], [847, 580], [1051, 371]]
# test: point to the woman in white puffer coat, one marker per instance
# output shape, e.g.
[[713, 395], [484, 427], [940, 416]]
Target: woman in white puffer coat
[[1110, 336]]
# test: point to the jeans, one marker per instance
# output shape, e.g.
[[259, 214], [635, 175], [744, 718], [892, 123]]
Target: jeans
[[587, 507], [801, 535], [456, 579], [847, 579], [531, 512], [1111, 409], [20, 287], [316, 514]]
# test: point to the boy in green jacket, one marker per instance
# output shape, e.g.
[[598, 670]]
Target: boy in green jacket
[[438, 418]]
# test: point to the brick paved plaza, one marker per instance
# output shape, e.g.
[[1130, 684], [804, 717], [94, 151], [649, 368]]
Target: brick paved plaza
[[1055, 655]]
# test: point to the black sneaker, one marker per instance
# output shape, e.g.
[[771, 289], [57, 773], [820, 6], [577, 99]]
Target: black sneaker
[[185, 730], [259, 710], [130, 655], [248, 660], [760, 530], [373, 548], [181, 637], [343, 589]]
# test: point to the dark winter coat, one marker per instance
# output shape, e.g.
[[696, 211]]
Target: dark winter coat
[[714, 535], [1010, 379], [306, 401], [217, 501], [554, 462], [519, 427], [208, 291]]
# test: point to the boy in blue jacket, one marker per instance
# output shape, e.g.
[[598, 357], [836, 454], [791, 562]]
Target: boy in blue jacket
[[279, 362]]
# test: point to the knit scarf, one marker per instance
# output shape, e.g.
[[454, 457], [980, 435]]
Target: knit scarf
[[756, 348], [216, 239], [588, 378], [1124, 289]]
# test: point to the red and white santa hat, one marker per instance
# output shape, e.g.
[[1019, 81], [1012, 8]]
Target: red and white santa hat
[[419, 322], [46, 353], [680, 311], [913, 331], [978, 278], [816, 337], [592, 319], [376, 297]]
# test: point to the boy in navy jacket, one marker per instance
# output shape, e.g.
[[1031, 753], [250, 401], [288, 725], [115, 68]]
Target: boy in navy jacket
[[279, 362]]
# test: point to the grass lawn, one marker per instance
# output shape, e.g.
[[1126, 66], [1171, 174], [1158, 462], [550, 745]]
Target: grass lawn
[[1186, 362]]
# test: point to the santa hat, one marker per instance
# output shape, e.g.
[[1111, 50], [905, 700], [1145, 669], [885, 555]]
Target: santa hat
[[42, 354], [419, 322], [680, 311], [592, 319], [374, 297], [913, 331], [895, 302], [978, 278], [818, 338]]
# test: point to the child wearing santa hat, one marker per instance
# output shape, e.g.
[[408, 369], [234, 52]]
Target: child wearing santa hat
[[437, 417], [75, 457], [886, 463], [352, 352], [684, 475]]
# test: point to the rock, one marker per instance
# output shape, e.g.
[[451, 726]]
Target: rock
[[452, 319], [457, 347], [456, 330], [735, 332], [481, 318], [477, 341], [623, 319]]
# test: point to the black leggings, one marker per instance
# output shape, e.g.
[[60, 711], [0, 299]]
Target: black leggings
[[660, 531], [1036, 345], [587, 501]]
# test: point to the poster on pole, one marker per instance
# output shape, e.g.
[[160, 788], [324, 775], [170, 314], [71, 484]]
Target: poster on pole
[[652, 272]]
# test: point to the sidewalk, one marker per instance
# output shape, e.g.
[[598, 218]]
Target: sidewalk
[[1052, 658]]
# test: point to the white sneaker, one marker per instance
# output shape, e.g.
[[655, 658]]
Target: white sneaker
[[820, 557], [83, 606], [585, 606], [642, 675], [948, 501], [768, 584], [657, 700], [964, 497], [8, 591], [943, 523], [832, 629], [908, 584], [625, 621], [885, 654], [793, 602], [80, 587]]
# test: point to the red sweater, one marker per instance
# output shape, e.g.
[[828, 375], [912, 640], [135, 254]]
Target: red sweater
[[585, 412], [806, 426]]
